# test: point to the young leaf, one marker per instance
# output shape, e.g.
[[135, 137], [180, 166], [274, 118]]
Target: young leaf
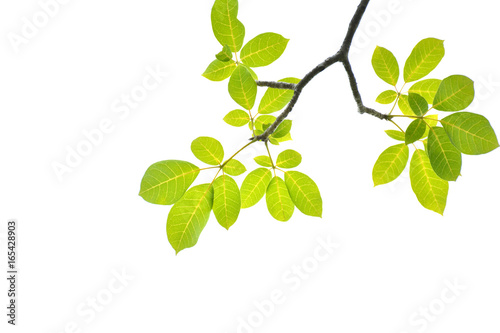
[[262, 122], [188, 217], [288, 159], [276, 99], [278, 200], [431, 121], [415, 131], [426, 88], [430, 189], [418, 104], [471, 133], [263, 49], [455, 93], [227, 28], [242, 87], [390, 164], [208, 150], [446, 159], [424, 57], [386, 97], [225, 54], [219, 70], [304, 193], [283, 129], [254, 187], [165, 182], [396, 135], [237, 118], [385, 65], [234, 168], [404, 105], [263, 160], [227, 201]]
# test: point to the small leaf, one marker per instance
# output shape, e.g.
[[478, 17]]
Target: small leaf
[[418, 104], [282, 129], [455, 93], [424, 57], [471, 133], [227, 201], [390, 164], [263, 49], [415, 131], [237, 118], [431, 120], [263, 160], [227, 28], [219, 70], [404, 105], [426, 88], [189, 216], [254, 187], [430, 189], [262, 122], [242, 87], [288, 159], [225, 54], [304, 193], [385, 65], [234, 168], [165, 182], [446, 159], [396, 135], [208, 150], [387, 97], [276, 99], [278, 200]]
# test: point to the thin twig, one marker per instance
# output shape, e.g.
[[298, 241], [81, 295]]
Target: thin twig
[[278, 85]]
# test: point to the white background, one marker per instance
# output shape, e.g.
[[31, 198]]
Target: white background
[[76, 234]]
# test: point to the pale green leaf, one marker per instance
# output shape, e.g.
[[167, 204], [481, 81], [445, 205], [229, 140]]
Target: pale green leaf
[[227, 201], [225, 54], [263, 49], [387, 97], [254, 186], [276, 99], [424, 57], [418, 104], [219, 70], [446, 159], [415, 131], [431, 121], [396, 135], [208, 150], [237, 118], [404, 105], [426, 88], [226, 27], [455, 93], [282, 129], [263, 160], [263, 122], [234, 168], [390, 164], [254, 75], [288, 159], [278, 200], [304, 193], [242, 87], [385, 65]]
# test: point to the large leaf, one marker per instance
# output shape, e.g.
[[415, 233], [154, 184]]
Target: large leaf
[[276, 99], [385, 65], [418, 104], [430, 189], [165, 182], [304, 193], [455, 93], [288, 159], [471, 133], [242, 87], [227, 201], [426, 88], [219, 70], [390, 164], [446, 159], [415, 131], [237, 118], [278, 200], [188, 217], [386, 97], [424, 57], [208, 150], [234, 168], [227, 28], [254, 186], [263, 49]]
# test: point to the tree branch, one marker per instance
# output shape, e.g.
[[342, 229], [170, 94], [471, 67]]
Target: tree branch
[[341, 56]]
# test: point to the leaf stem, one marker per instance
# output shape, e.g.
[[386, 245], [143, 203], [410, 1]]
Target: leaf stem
[[239, 151]]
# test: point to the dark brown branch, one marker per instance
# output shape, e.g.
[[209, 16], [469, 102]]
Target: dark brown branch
[[341, 56]]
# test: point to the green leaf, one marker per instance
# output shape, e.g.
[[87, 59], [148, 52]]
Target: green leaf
[[225, 54], [188, 217], [455, 93], [263, 160], [242, 87], [262, 122], [288, 159], [446, 159], [418, 104], [227, 28], [237, 118], [430, 189], [390, 164], [396, 135], [219, 70], [415, 131], [304, 193], [278, 200], [386, 97], [254, 187], [425, 56], [227, 201], [404, 105], [426, 88], [263, 49], [208, 150], [165, 182], [471, 133], [234, 168], [385, 65], [254, 75], [276, 99], [430, 123], [282, 129]]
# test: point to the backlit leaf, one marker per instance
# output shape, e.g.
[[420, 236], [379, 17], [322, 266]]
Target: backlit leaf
[[404, 105], [234, 168], [446, 159], [263, 49], [386, 97], [219, 70], [385, 65], [396, 135], [263, 160], [455, 93], [390, 164], [227, 201], [242, 87], [418, 104], [225, 54], [283, 129], [415, 131], [288, 159], [304, 193], [208, 150], [426, 88], [424, 57], [226, 27], [254, 186], [278, 200], [276, 99], [237, 118]]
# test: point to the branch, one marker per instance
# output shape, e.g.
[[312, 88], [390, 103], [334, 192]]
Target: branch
[[341, 56]]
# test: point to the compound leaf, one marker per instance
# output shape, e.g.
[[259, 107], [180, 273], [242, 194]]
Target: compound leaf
[[304, 193], [208, 150], [390, 164]]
